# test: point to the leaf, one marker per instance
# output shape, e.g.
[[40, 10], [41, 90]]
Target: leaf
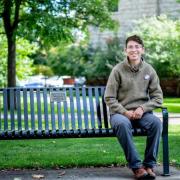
[[17, 178], [61, 174], [38, 176]]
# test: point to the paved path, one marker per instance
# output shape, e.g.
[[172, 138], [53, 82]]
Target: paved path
[[174, 118], [101, 173]]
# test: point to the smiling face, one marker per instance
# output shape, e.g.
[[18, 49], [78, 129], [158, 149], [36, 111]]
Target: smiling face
[[134, 51]]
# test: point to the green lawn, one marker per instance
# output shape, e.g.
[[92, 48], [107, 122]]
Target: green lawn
[[53, 153], [173, 105]]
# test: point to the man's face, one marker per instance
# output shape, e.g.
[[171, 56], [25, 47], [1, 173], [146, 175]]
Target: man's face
[[134, 51]]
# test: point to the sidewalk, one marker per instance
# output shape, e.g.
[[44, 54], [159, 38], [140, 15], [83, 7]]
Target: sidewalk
[[174, 118], [101, 173]]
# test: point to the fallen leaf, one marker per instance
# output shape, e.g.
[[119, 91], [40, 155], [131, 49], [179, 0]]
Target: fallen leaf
[[37, 176], [17, 178], [61, 174]]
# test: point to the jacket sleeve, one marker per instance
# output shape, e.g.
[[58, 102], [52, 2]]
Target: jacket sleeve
[[155, 94], [111, 93]]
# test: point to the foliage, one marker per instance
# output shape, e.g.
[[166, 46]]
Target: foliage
[[49, 22], [23, 62], [44, 70], [85, 60], [161, 38], [3, 64]]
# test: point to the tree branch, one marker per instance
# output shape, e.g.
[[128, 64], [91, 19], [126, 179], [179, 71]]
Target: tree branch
[[16, 15], [6, 15]]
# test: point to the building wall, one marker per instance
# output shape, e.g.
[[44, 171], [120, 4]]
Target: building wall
[[130, 10]]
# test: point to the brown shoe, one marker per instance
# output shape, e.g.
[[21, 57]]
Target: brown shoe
[[151, 173], [140, 173]]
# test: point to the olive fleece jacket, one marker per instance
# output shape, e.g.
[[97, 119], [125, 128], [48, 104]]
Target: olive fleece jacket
[[131, 87]]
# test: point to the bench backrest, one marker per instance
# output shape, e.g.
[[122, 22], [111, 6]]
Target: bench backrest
[[52, 111]]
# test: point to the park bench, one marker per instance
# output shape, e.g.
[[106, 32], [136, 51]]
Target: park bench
[[66, 112]]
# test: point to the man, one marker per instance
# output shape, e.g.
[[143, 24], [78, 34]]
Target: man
[[132, 92]]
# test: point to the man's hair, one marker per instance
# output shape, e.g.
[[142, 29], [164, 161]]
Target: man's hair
[[136, 39]]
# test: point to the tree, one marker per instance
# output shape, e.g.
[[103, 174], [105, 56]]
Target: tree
[[48, 22], [23, 63], [84, 60]]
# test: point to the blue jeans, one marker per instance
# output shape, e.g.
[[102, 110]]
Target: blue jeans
[[123, 126]]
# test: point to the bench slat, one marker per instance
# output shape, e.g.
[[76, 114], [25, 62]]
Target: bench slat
[[72, 108], [45, 109], [85, 108], [78, 103], [32, 109], [66, 119], [52, 113], [18, 105], [99, 121], [91, 107], [39, 111], [105, 115], [25, 109], [12, 108], [5, 109]]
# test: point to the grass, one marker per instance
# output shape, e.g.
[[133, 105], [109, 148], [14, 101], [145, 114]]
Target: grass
[[173, 105], [52, 153]]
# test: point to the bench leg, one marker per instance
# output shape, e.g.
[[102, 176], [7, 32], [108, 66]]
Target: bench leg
[[165, 143]]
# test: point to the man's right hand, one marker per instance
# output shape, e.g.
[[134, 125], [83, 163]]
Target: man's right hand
[[129, 114]]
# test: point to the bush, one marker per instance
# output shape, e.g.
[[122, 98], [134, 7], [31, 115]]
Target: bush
[[161, 37], [86, 60]]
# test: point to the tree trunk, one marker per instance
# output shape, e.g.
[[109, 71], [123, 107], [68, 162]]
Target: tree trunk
[[11, 71]]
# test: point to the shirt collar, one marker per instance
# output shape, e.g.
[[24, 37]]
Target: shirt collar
[[134, 68]]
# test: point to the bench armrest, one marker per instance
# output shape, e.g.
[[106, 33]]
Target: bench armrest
[[165, 142]]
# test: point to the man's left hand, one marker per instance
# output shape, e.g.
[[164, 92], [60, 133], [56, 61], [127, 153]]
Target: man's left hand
[[138, 113]]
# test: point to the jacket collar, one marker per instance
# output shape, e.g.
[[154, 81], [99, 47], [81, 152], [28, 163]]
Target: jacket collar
[[133, 68]]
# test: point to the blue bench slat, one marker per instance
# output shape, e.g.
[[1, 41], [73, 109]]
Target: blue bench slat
[[72, 107], [91, 107], [26, 126], [98, 106], [5, 109], [66, 119], [45, 109], [18, 105], [32, 109], [52, 114], [60, 126], [85, 108], [38, 96], [104, 109], [78, 103], [12, 108]]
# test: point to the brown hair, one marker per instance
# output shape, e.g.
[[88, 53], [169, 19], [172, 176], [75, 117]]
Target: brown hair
[[136, 39]]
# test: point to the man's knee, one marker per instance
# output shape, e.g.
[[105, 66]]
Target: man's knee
[[119, 121], [157, 124]]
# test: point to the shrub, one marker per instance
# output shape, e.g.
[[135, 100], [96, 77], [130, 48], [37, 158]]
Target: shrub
[[161, 37]]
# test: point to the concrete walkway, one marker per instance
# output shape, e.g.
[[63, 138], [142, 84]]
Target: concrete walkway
[[101, 173], [174, 118]]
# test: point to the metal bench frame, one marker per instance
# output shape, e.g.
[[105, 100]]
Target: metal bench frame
[[80, 112]]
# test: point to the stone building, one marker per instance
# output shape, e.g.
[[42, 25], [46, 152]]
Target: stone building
[[130, 10]]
